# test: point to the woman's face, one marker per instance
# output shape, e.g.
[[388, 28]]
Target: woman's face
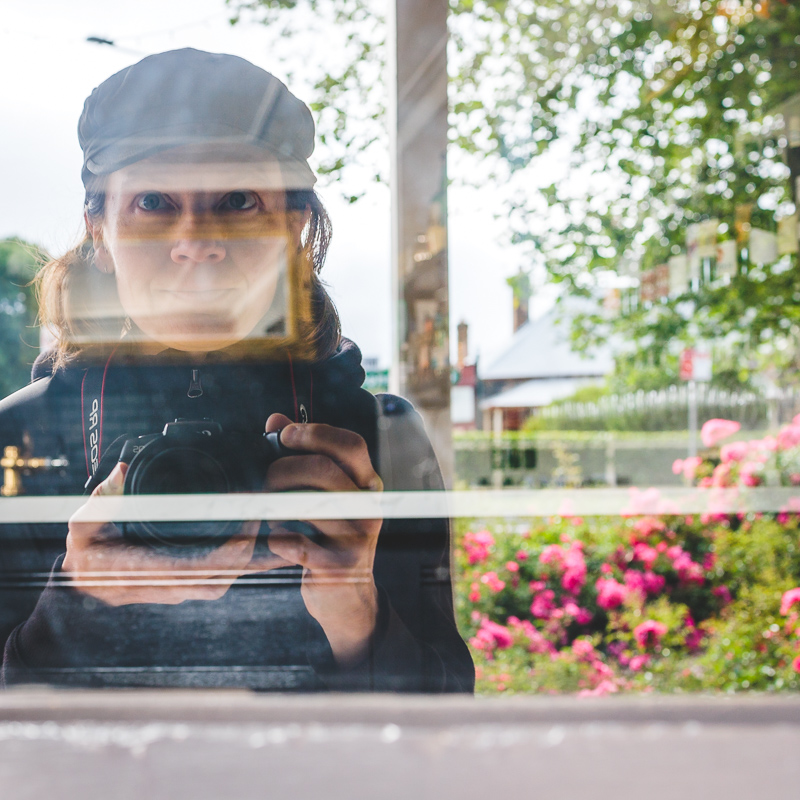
[[196, 247]]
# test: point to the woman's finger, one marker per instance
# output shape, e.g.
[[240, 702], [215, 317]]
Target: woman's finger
[[298, 549], [114, 484], [347, 449], [312, 472]]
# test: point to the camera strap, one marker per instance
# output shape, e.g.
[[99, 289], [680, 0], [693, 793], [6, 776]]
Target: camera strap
[[92, 389], [303, 396]]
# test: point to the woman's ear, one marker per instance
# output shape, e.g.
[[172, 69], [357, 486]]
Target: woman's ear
[[102, 258]]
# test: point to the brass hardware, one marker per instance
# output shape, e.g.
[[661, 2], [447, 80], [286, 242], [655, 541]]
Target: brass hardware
[[13, 464]]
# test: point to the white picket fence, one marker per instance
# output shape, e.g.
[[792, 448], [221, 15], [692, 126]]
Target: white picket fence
[[666, 409]]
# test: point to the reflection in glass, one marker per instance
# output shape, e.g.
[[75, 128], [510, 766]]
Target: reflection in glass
[[198, 359]]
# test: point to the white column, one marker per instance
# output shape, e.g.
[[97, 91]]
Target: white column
[[418, 125]]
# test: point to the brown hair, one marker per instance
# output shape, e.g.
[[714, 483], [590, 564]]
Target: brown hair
[[67, 286]]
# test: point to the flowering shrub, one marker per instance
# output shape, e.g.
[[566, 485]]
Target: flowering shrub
[[610, 604], [771, 461]]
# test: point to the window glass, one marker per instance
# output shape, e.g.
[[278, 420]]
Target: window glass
[[411, 346]]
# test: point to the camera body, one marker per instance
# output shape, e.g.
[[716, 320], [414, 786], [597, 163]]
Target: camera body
[[194, 457]]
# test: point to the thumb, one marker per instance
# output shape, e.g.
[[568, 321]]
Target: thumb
[[277, 422], [114, 483]]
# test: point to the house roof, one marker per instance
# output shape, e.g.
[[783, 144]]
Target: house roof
[[537, 393], [541, 349]]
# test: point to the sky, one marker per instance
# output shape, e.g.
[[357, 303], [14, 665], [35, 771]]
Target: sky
[[49, 69]]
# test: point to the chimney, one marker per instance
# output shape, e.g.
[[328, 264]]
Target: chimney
[[521, 287], [463, 351]]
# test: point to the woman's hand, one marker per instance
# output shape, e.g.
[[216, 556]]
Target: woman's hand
[[338, 584], [103, 564]]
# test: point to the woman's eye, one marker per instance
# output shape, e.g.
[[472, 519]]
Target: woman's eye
[[239, 201], [152, 201]]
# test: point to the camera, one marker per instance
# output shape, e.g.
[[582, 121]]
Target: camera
[[194, 457]]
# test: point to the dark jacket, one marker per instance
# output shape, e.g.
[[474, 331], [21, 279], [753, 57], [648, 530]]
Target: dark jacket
[[259, 635]]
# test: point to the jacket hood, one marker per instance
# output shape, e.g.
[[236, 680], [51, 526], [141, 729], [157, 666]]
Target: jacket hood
[[43, 366]]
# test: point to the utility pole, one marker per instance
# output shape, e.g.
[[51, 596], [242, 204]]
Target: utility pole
[[418, 127]]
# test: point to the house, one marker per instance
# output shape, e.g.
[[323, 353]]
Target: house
[[537, 367]]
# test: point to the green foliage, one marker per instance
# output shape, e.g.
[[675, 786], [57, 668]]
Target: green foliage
[[19, 338], [612, 126]]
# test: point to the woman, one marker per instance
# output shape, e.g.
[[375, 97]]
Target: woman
[[196, 296]]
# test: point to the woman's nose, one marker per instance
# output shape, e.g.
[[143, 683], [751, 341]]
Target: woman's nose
[[197, 250]]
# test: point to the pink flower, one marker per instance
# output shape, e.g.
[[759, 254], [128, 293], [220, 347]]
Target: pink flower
[[677, 466], [749, 474], [512, 566], [723, 594], [715, 430], [649, 634], [634, 580], [537, 642], [789, 599], [581, 615], [690, 467], [646, 554], [693, 639], [583, 649], [602, 670], [482, 537], [575, 573], [552, 554], [493, 582], [789, 437], [477, 545], [796, 664], [610, 593], [653, 583], [769, 444], [491, 635], [735, 451], [688, 571], [474, 593], [637, 662], [646, 526], [792, 507], [542, 605], [602, 688], [521, 555], [721, 476]]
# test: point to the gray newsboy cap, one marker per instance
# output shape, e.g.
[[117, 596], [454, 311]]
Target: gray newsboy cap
[[192, 97]]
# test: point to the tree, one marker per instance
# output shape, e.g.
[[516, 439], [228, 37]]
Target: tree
[[19, 337], [614, 124]]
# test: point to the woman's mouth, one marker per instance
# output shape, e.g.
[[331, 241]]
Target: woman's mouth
[[202, 297]]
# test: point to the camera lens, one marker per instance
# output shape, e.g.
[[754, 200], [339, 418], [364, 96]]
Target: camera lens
[[181, 470]]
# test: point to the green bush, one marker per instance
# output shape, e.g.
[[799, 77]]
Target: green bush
[[610, 604]]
